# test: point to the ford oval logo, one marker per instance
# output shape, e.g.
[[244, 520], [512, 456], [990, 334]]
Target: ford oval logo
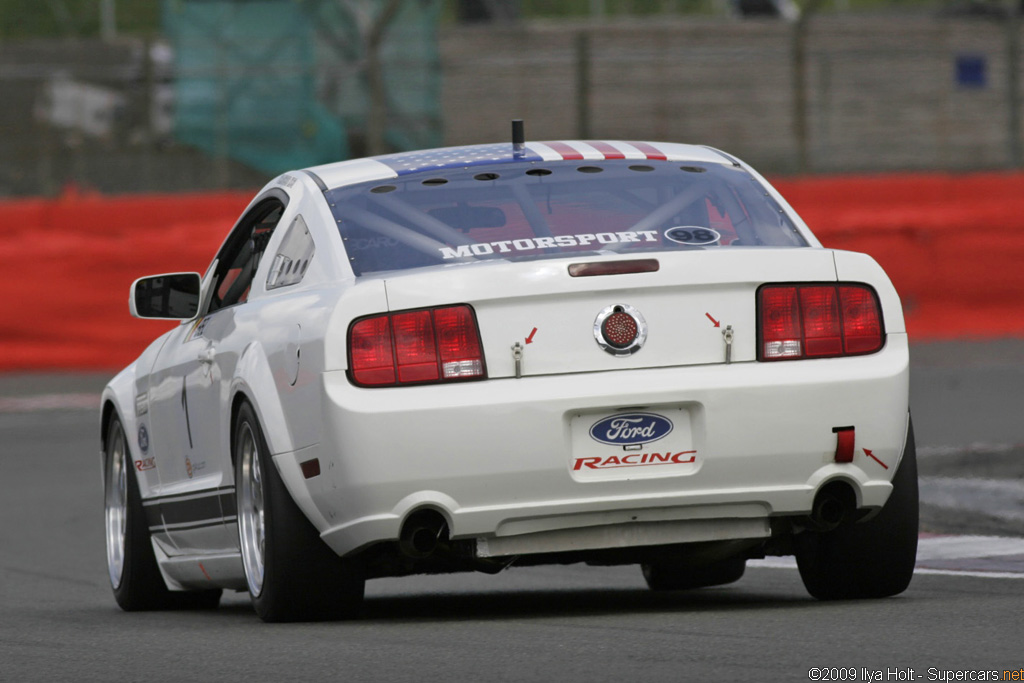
[[629, 429]]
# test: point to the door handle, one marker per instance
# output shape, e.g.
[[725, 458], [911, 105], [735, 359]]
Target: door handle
[[206, 356]]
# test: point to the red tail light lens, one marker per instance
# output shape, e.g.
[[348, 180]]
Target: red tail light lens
[[780, 323], [817, 321], [862, 321], [458, 343], [820, 309], [371, 357], [416, 347]]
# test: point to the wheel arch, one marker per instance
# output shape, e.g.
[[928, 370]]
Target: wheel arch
[[238, 400], [116, 399], [107, 413]]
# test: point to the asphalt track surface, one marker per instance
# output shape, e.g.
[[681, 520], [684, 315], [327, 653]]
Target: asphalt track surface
[[962, 613]]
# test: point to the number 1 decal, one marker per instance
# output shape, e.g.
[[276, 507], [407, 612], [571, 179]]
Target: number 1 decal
[[184, 405]]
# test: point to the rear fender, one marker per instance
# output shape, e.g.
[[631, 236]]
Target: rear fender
[[856, 267], [254, 378], [254, 381]]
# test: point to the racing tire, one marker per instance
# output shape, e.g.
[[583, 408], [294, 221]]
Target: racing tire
[[131, 564], [291, 573], [871, 559], [676, 577]]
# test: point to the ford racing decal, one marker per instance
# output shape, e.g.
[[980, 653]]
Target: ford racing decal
[[631, 429], [636, 460], [143, 439]]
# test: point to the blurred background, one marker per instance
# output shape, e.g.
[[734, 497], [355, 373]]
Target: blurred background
[[133, 132], [166, 95]]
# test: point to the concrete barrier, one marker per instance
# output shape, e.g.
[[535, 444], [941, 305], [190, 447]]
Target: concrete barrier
[[953, 245]]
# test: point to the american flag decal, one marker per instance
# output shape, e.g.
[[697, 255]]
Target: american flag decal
[[501, 153], [454, 157]]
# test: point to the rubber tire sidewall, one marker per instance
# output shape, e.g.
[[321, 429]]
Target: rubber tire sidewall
[[142, 587], [303, 579]]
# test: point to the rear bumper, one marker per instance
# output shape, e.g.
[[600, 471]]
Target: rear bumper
[[500, 459]]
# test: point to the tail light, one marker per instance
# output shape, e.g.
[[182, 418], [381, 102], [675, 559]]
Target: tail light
[[416, 347], [817, 321]]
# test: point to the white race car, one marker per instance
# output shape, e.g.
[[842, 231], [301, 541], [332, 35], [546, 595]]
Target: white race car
[[511, 354]]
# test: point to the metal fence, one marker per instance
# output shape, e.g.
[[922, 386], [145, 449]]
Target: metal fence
[[233, 93], [841, 93]]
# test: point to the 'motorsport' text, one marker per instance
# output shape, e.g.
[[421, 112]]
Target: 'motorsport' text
[[507, 246], [636, 460]]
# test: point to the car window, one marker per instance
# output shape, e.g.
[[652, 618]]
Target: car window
[[292, 259], [240, 256], [524, 211]]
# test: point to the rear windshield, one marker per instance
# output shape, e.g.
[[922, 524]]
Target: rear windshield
[[527, 211]]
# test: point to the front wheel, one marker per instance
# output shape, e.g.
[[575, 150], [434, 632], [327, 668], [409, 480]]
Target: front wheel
[[131, 564], [292, 575], [872, 559]]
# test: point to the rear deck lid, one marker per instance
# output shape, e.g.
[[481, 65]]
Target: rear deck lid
[[684, 311]]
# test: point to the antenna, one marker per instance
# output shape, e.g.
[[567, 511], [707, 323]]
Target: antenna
[[518, 138]]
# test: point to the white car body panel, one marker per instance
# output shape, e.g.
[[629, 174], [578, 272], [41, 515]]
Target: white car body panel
[[500, 459], [510, 436]]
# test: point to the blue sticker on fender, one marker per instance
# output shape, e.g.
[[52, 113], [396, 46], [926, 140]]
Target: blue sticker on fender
[[143, 439], [630, 429]]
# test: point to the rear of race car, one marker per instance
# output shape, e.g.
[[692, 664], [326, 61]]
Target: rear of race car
[[659, 367]]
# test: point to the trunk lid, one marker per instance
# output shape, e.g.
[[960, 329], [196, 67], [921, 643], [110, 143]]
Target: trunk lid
[[687, 306]]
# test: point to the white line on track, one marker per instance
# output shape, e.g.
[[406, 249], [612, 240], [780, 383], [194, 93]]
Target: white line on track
[[990, 557], [31, 404]]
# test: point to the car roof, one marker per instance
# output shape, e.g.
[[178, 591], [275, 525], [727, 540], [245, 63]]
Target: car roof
[[386, 166]]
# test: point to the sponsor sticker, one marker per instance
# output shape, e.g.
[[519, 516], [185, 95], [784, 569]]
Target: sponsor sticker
[[192, 468], [143, 439], [559, 241], [145, 464], [693, 235], [142, 404], [636, 460], [198, 327], [631, 429], [364, 243]]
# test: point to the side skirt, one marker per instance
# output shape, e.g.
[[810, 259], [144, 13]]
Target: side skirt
[[195, 539], [201, 572]]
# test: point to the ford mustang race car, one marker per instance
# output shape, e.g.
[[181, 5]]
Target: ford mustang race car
[[470, 358]]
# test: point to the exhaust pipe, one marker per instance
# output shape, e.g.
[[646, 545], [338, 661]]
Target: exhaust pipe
[[832, 506], [422, 533]]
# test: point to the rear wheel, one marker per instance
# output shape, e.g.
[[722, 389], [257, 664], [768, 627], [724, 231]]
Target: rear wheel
[[668, 576], [131, 564], [873, 559], [292, 575]]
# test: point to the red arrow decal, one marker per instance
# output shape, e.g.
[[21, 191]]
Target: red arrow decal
[[872, 456], [529, 340], [717, 324]]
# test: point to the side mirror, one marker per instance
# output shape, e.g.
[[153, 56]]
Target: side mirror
[[173, 296]]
